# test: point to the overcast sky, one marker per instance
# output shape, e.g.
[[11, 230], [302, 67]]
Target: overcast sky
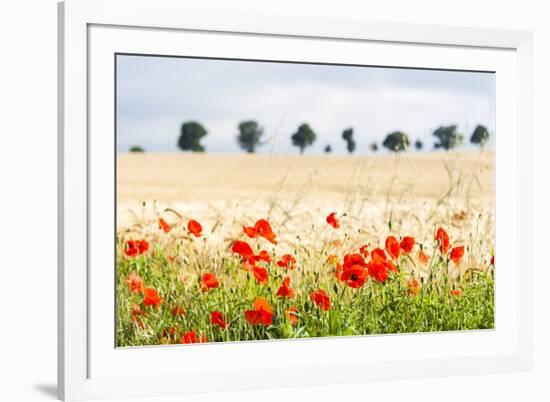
[[155, 95]]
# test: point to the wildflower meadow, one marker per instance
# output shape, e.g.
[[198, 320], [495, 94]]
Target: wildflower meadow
[[174, 285]]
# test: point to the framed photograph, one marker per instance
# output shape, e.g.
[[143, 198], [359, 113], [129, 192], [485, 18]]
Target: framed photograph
[[253, 201]]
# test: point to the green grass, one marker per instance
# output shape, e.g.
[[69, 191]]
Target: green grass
[[374, 308]]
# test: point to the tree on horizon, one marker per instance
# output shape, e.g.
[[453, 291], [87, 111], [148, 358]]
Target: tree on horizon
[[304, 137], [480, 136], [396, 141], [347, 135], [136, 148], [448, 136], [191, 133], [250, 134]]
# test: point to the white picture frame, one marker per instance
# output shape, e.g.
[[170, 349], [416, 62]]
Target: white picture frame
[[91, 32]]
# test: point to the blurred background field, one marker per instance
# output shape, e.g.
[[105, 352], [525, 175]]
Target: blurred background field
[[412, 191]]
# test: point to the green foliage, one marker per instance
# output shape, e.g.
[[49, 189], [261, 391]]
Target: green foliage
[[250, 134], [480, 136], [418, 145], [375, 308], [347, 135], [373, 147], [304, 137], [136, 148], [396, 141], [448, 137], [191, 134], [328, 149]]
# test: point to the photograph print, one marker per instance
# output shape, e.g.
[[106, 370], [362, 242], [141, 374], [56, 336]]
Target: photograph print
[[268, 200]]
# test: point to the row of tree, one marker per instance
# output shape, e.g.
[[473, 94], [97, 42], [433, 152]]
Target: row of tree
[[251, 134]]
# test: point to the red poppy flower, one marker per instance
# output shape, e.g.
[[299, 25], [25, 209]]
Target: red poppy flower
[[136, 247], [151, 298], [456, 292], [262, 304], [333, 221], [407, 244], [177, 311], [423, 257], [250, 231], [443, 238], [354, 276], [131, 250], [287, 261], [135, 283], [363, 250], [209, 281], [217, 318], [260, 274], [243, 249], [263, 256], [194, 227], [456, 254], [378, 255], [379, 265], [292, 316], [321, 299], [257, 317], [413, 287], [262, 313], [141, 245], [263, 228], [163, 225], [378, 270], [392, 247], [353, 259], [192, 337], [285, 290], [493, 260]]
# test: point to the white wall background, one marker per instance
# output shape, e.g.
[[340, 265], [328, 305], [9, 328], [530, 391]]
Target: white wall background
[[28, 198]]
